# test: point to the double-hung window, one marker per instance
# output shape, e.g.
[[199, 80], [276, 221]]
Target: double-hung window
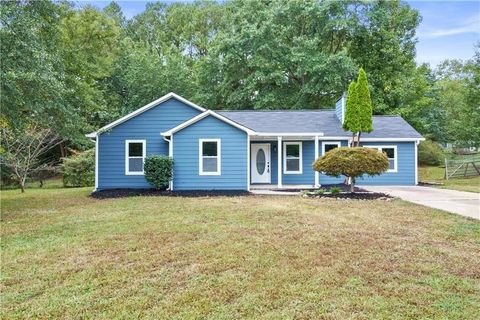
[[330, 145], [135, 152], [391, 152], [292, 157], [209, 157]]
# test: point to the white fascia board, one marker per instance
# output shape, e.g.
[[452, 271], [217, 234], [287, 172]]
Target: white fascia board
[[203, 115], [143, 109], [288, 134], [376, 139], [391, 139]]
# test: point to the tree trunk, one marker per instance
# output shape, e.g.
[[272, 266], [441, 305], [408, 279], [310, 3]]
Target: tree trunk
[[358, 139], [63, 152], [22, 185], [352, 185]]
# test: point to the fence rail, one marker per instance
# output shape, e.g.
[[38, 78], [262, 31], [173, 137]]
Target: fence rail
[[462, 168]]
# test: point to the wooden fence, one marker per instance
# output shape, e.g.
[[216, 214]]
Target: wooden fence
[[461, 168]]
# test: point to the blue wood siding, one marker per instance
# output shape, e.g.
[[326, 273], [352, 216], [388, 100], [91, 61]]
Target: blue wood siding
[[233, 156], [338, 109], [324, 179], [308, 175], [147, 126], [405, 174]]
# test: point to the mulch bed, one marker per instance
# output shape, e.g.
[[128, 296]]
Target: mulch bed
[[353, 196], [123, 193], [341, 186], [360, 194]]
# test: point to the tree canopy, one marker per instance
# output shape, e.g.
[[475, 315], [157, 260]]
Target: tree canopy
[[75, 68]]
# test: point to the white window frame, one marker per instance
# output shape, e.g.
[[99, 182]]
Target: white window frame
[[300, 158], [395, 159], [219, 157], [337, 143], [127, 157]]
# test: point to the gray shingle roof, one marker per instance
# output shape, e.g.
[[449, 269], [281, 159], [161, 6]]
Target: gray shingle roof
[[317, 121]]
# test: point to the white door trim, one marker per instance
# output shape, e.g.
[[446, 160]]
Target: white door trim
[[267, 176]]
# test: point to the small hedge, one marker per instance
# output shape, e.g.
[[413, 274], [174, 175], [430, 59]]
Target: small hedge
[[430, 153], [79, 169], [158, 171]]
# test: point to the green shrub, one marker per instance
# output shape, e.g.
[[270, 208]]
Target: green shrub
[[158, 171], [335, 190], [79, 169], [352, 163], [320, 192], [430, 153]]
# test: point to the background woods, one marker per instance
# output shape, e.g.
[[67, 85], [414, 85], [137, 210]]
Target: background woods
[[73, 69]]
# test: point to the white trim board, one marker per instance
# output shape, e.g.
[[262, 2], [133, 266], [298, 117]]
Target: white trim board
[[127, 163], [337, 143], [143, 109], [97, 142], [218, 156], [203, 115], [395, 159], [300, 157], [375, 139]]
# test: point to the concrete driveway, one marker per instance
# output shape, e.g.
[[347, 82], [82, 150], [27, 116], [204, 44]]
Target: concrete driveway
[[464, 203]]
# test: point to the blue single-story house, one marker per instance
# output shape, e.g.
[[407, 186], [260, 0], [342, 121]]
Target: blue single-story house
[[239, 150]]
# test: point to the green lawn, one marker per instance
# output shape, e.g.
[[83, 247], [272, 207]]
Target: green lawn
[[436, 175], [65, 255]]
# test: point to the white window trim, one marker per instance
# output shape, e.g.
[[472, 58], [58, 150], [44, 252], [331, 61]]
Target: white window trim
[[127, 163], [300, 167], [219, 157], [337, 143], [395, 162]]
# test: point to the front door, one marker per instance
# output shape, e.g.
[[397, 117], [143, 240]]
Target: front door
[[260, 163]]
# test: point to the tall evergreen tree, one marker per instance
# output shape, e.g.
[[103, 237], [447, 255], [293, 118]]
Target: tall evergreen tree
[[364, 104], [350, 121]]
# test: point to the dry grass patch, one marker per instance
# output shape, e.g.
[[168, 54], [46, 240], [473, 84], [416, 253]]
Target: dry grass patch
[[69, 256]]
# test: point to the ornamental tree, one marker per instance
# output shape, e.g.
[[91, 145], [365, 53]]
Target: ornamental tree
[[350, 122], [352, 163], [23, 152], [358, 109], [364, 104]]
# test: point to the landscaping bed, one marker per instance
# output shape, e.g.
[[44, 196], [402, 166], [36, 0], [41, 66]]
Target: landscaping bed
[[341, 186], [351, 196]]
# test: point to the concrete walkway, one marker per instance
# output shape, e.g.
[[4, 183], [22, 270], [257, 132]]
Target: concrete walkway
[[464, 203]]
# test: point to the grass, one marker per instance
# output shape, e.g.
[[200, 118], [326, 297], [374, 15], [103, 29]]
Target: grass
[[436, 175], [65, 255]]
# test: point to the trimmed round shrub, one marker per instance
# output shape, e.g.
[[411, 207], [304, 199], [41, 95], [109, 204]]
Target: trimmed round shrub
[[430, 153], [158, 171], [79, 169], [352, 163]]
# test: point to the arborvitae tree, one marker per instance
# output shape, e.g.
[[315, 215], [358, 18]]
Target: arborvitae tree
[[364, 104], [351, 120]]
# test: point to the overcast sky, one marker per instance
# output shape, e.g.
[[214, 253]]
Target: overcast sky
[[449, 29]]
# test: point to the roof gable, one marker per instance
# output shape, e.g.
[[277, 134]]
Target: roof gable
[[203, 115], [141, 110]]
